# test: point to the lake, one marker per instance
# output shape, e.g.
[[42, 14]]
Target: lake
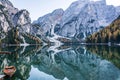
[[63, 63]]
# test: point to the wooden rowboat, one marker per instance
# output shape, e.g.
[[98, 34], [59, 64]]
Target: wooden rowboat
[[9, 70], [5, 52]]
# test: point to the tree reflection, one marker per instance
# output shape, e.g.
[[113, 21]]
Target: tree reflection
[[71, 62], [111, 53], [20, 59]]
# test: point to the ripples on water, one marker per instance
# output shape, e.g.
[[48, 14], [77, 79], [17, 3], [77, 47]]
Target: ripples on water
[[68, 63]]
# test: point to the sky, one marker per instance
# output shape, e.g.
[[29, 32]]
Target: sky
[[38, 8]]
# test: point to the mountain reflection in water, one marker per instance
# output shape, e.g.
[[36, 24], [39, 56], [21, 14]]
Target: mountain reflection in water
[[70, 63]]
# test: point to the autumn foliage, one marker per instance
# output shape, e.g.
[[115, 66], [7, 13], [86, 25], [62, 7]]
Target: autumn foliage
[[110, 33]]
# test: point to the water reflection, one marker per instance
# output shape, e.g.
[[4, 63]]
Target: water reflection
[[111, 53], [70, 63], [39, 75]]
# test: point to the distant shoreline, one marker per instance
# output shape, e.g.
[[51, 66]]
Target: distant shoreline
[[67, 43]]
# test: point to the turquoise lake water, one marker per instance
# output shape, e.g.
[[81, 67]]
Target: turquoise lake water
[[67, 63]]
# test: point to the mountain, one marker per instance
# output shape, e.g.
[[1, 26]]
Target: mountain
[[85, 17], [110, 33], [47, 21], [22, 20], [82, 18], [15, 25], [7, 12]]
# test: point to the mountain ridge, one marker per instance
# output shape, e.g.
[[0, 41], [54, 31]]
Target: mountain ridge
[[82, 18]]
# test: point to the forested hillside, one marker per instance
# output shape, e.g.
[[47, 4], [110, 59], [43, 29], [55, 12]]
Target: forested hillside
[[109, 34]]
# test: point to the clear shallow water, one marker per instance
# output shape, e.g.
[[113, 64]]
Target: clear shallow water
[[69, 63], [37, 75]]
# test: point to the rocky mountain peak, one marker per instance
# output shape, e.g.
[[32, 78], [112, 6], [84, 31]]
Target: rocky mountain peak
[[5, 21], [14, 24], [11, 9], [6, 3], [80, 19], [83, 18], [58, 12], [22, 20], [22, 17], [46, 21]]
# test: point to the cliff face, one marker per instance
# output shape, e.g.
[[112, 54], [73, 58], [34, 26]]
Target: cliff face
[[22, 21], [46, 22], [82, 18], [14, 24]]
